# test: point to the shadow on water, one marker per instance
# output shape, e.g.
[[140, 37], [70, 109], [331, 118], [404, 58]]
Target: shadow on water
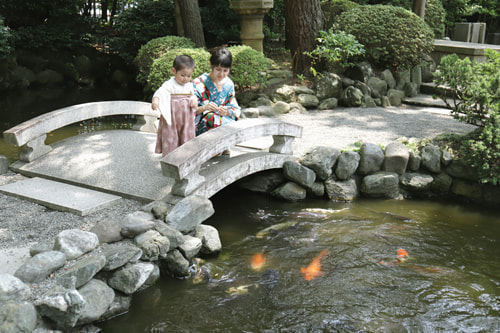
[[398, 266]]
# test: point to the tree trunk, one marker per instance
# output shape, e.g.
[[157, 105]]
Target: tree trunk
[[113, 11], [191, 21], [178, 19], [104, 10], [419, 8], [303, 20]]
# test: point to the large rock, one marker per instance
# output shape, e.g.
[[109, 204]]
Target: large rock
[[191, 246], [347, 165], [62, 306], [395, 97], [431, 158], [414, 161], [378, 86], [290, 191], [17, 317], [264, 182], [321, 160], [98, 297], [299, 174], [361, 71], [371, 159], [175, 264], [285, 93], [352, 97], [82, 271], [281, 107], [190, 212], [13, 289], [387, 76], [416, 182], [328, 85], [154, 246], [462, 170], [174, 236], [107, 231], [341, 190], [120, 255], [74, 242], [308, 101], [37, 268], [328, 104], [396, 158], [442, 183], [382, 184], [136, 223], [209, 238], [133, 277]]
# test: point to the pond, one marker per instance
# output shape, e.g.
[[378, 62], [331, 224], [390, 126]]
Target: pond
[[384, 266]]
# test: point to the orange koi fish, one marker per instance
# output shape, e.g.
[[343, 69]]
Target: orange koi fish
[[314, 269], [257, 262], [401, 257]]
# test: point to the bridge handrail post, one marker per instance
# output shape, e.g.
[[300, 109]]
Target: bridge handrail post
[[282, 144], [34, 149]]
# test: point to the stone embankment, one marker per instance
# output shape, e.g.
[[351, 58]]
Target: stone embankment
[[90, 275]]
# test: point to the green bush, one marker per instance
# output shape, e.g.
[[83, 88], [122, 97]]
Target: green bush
[[392, 36], [5, 47], [474, 97], [334, 51], [138, 25], [333, 8], [155, 49], [435, 17], [161, 68], [248, 66]]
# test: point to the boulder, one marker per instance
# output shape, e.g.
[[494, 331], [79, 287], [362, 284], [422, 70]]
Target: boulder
[[361, 71], [98, 297], [210, 239], [378, 87], [153, 245], [62, 306], [107, 231], [264, 182], [37, 268], [285, 93], [328, 86], [467, 189], [352, 97], [402, 77], [317, 189], [136, 223], [82, 271], [160, 209], [120, 255], [328, 104], [13, 289], [174, 236], [321, 160], [4, 164], [191, 246], [281, 107], [416, 182], [175, 264], [371, 158], [133, 277], [250, 113], [74, 242], [190, 212], [266, 111], [341, 190], [410, 89], [290, 191], [431, 158], [347, 165], [387, 76], [17, 317], [460, 169], [369, 102], [395, 97], [414, 161], [396, 158], [381, 184], [442, 183], [299, 174], [363, 87], [308, 101]]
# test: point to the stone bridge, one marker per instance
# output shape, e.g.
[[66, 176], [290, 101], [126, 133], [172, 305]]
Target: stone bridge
[[123, 162]]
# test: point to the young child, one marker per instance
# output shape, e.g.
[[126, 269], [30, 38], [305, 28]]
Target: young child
[[177, 105]]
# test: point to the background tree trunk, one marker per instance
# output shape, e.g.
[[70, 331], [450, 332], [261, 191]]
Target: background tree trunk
[[419, 8], [303, 20], [191, 21], [178, 19]]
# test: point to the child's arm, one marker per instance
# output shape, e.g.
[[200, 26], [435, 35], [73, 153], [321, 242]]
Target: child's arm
[[155, 103]]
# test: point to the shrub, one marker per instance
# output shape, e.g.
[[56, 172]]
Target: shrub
[[335, 50], [161, 67], [474, 97], [138, 25], [333, 8], [248, 66], [392, 36], [155, 49], [435, 17], [5, 47]]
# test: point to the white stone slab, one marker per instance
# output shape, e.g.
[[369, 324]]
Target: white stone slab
[[60, 196]]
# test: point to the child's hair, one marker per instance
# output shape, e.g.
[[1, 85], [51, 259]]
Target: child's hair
[[183, 61], [221, 57]]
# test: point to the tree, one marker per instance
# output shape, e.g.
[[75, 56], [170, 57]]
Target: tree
[[303, 21], [419, 8], [191, 21]]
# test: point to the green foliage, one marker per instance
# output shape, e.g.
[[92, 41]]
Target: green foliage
[[138, 25], [220, 23], [335, 50], [333, 8], [474, 97], [274, 29], [392, 36], [155, 49], [248, 66], [435, 17], [161, 68], [5, 47]]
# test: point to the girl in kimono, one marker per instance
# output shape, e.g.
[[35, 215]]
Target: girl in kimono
[[177, 105], [217, 104]]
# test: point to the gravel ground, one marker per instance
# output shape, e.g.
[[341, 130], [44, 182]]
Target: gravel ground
[[23, 224]]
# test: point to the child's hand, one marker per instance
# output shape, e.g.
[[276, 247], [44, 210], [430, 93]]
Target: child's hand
[[154, 106]]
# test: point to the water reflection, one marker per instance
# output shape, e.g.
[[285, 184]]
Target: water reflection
[[444, 273]]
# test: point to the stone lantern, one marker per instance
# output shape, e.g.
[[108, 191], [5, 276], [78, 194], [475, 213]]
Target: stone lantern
[[252, 14]]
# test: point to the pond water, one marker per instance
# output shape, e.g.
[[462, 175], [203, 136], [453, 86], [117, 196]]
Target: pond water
[[385, 266]]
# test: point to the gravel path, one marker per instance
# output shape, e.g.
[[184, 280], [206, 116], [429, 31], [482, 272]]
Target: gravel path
[[23, 224]]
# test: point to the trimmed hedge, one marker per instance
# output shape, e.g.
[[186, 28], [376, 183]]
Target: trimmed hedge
[[393, 36], [248, 66]]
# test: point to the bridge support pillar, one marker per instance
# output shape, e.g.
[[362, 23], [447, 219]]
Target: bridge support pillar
[[187, 185], [34, 149], [282, 144]]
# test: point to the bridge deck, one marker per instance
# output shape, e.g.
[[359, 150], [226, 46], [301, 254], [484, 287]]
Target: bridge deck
[[120, 162]]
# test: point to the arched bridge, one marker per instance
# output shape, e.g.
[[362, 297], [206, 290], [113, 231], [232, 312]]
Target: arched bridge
[[123, 162]]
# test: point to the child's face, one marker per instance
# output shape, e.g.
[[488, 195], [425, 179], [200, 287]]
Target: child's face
[[183, 76]]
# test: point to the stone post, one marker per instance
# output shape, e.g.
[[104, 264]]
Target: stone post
[[252, 14]]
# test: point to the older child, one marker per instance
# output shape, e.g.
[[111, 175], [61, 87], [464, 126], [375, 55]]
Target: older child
[[177, 104]]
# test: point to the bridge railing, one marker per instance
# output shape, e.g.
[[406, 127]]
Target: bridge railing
[[31, 134], [184, 163]]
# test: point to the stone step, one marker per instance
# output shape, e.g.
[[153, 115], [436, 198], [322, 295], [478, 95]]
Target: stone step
[[60, 196]]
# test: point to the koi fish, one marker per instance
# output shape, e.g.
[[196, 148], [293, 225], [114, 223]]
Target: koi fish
[[314, 269], [280, 226], [401, 257], [257, 261]]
